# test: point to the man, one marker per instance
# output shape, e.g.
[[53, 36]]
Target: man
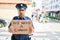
[[21, 8]]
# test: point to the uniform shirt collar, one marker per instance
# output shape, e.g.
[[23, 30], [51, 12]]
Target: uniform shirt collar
[[21, 18]]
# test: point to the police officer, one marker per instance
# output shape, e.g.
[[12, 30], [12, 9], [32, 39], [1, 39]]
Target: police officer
[[21, 8]]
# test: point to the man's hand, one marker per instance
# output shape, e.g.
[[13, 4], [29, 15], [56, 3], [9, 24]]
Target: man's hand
[[10, 29], [31, 30]]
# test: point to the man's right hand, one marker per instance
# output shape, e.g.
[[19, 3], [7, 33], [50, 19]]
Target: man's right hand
[[10, 30]]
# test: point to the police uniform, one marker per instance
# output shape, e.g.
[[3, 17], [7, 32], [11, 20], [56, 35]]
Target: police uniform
[[20, 6]]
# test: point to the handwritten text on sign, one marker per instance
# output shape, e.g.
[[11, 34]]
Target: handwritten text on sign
[[21, 26]]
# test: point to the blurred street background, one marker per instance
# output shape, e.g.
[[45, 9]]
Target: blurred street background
[[45, 15]]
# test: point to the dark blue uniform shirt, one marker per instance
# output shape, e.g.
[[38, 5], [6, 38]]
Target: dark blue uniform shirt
[[20, 36]]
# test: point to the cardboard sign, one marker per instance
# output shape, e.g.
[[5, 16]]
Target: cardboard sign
[[21, 26]]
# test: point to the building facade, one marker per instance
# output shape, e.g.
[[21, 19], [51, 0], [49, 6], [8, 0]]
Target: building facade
[[51, 7]]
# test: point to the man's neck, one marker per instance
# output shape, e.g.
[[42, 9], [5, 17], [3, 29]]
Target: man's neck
[[21, 17]]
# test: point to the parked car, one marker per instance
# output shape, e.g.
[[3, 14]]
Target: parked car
[[2, 23]]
